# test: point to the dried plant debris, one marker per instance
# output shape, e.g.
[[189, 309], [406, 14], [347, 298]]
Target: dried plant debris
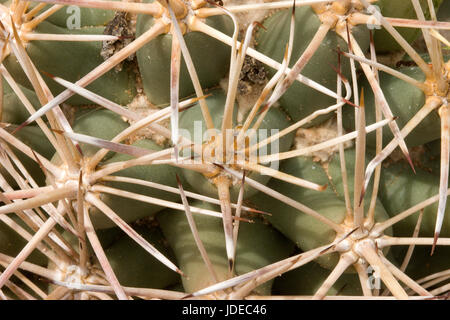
[[245, 18], [315, 135], [142, 106], [252, 72], [120, 26]]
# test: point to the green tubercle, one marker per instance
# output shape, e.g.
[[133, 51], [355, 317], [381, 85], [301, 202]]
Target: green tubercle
[[100, 123], [129, 209], [33, 137], [72, 61], [13, 110], [11, 243], [306, 231], [400, 189], [307, 279], [404, 100], [135, 267], [70, 16], [384, 42], [258, 245], [191, 119], [300, 100], [210, 57]]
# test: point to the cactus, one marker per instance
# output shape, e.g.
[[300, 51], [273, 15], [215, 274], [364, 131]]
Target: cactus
[[383, 40], [301, 100], [91, 200], [252, 251]]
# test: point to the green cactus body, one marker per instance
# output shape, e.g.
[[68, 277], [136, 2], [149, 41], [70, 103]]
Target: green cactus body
[[71, 61], [307, 279], [134, 267], [399, 9], [106, 237], [404, 100], [13, 109], [300, 100], [132, 210], [334, 171], [400, 189], [210, 57], [105, 124], [258, 245], [99, 123], [88, 17], [275, 119], [307, 232], [33, 137], [11, 243], [193, 116]]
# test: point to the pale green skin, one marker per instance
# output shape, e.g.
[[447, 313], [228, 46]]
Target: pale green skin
[[132, 210], [384, 42], [301, 100], [307, 279], [106, 237], [258, 245], [401, 189], [135, 267], [33, 137], [11, 243], [334, 171], [336, 182], [307, 232], [72, 61], [211, 59], [275, 119], [100, 123], [404, 100], [88, 17], [105, 124], [13, 109]]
